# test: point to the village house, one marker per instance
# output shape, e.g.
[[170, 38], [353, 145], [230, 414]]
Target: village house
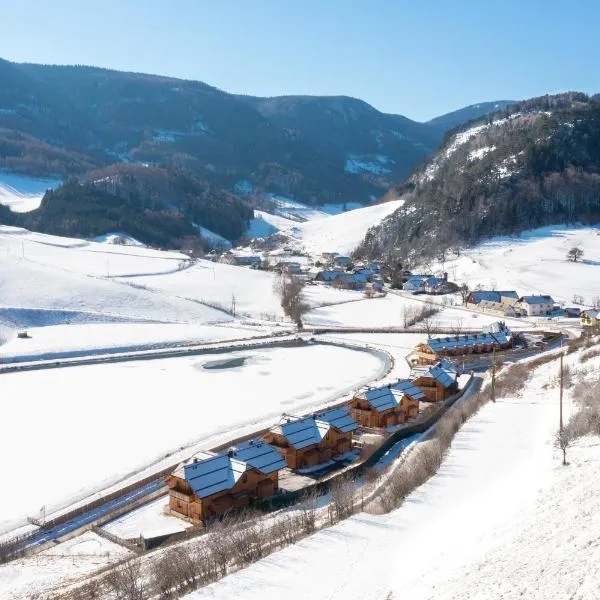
[[329, 276], [430, 352], [289, 266], [386, 406], [210, 485], [439, 285], [415, 284], [303, 441], [342, 261], [343, 427], [328, 256], [229, 258], [496, 302], [408, 396], [590, 317], [534, 306], [437, 382]]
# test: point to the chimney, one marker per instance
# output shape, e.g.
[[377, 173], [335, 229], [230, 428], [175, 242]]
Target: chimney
[[231, 452], [195, 460], [445, 276]]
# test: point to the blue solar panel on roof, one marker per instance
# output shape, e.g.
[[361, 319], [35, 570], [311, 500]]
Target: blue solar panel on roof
[[339, 418], [381, 399], [301, 433], [213, 475], [260, 455]]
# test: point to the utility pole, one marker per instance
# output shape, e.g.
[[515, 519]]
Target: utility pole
[[494, 374], [562, 379]]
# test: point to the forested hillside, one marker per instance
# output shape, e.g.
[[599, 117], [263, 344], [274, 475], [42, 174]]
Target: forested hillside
[[534, 163], [71, 119]]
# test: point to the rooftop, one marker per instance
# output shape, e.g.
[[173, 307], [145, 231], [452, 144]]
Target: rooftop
[[408, 388], [381, 399], [339, 418], [301, 432]]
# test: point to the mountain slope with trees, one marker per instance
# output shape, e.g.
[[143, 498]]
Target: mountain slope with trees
[[534, 163]]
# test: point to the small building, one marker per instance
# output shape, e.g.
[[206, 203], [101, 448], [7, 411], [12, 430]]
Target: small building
[[429, 353], [386, 406], [414, 284], [376, 408], [328, 256], [534, 306], [437, 382], [289, 266], [343, 427], [497, 302], [590, 317], [342, 261], [210, 485], [302, 441], [439, 285], [329, 276], [408, 395]]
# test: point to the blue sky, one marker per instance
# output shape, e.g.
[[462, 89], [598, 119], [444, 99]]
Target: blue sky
[[417, 58]]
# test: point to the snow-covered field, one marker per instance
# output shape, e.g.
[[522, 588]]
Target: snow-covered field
[[26, 579], [61, 341], [502, 519], [343, 232], [23, 194], [92, 424], [534, 263], [149, 520], [389, 311]]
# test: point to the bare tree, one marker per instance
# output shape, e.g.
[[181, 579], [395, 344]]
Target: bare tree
[[563, 440], [464, 292], [126, 582], [574, 254], [290, 289], [342, 499], [457, 326]]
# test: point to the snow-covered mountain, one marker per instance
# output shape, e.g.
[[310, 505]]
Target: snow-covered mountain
[[534, 163]]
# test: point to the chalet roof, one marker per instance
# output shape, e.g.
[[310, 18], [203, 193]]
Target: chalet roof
[[330, 275], [381, 399], [339, 418], [301, 432], [537, 299], [260, 456], [470, 340], [491, 296], [592, 313], [445, 377], [407, 388], [214, 474]]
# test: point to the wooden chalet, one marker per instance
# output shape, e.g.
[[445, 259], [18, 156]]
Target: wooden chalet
[[437, 382], [408, 396], [386, 406], [431, 351], [210, 485], [342, 426], [302, 441]]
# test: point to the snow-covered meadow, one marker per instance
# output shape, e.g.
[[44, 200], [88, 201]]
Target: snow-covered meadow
[[534, 263], [69, 562]]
